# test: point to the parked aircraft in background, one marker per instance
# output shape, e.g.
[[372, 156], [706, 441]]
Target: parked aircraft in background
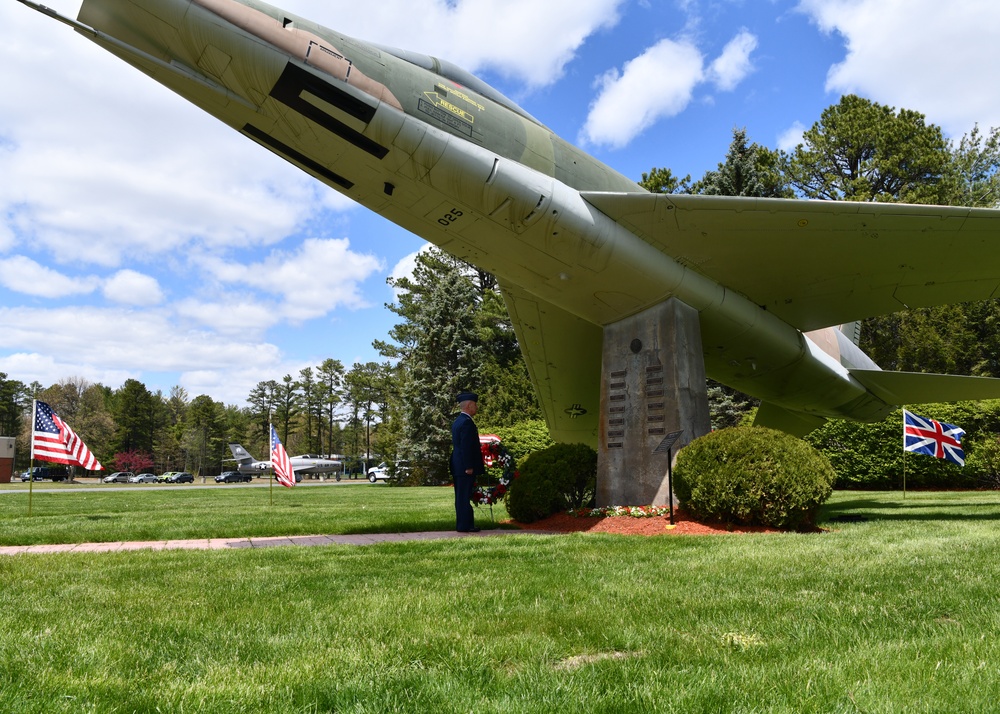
[[304, 465], [576, 246]]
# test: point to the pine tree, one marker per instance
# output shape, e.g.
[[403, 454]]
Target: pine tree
[[749, 170], [445, 360], [862, 151], [329, 383]]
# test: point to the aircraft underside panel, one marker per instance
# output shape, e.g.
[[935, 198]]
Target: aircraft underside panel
[[563, 355]]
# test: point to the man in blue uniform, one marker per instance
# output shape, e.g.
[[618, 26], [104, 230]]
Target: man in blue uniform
[[466, 461]]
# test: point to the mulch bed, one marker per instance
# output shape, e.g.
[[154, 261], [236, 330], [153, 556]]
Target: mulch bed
[[627, 525]]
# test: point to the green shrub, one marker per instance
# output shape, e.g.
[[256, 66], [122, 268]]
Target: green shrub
[[555, 479], [983, 460], [753, 476], [870, 456]]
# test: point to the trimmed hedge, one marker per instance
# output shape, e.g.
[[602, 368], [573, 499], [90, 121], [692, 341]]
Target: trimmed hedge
[[753, 476], [555, 479], [870, 456]]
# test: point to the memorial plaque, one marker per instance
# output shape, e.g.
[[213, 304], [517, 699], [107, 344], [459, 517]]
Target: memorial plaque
[[653, 385]]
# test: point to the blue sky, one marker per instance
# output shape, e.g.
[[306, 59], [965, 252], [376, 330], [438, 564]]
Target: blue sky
[[141, 238]]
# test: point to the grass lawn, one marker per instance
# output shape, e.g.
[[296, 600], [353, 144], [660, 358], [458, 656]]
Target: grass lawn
[[145, 512], [897, 613]]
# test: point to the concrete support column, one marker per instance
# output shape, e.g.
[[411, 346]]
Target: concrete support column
[[652, 384]]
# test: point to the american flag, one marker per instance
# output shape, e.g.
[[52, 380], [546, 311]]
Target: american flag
[[927, 436], [53, 440], [280, 462]]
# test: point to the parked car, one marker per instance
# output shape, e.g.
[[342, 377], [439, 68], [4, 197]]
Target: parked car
[[165, 476], [180, 477], [119, 477], [383, 471], [233, 477], [143, 478], [379, 472], [37, 473]]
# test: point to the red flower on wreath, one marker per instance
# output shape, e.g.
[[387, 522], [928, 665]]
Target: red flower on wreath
[[495, 456]]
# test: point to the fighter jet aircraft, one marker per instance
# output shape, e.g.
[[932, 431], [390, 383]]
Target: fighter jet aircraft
[[305, 465], [575, 245]]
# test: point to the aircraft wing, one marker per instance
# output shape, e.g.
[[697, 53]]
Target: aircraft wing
[[922, 388], [563, 355], [821, 263]]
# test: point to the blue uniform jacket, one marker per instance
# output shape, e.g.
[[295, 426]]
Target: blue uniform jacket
[[466, 451]]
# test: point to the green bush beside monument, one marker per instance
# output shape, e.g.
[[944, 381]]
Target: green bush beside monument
[[753, 476]]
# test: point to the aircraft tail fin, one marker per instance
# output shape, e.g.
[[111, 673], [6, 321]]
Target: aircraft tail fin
[[901, 388], [853, 331], [241, 455]]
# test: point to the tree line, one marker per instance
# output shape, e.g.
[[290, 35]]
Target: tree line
[[325, 410], [454, 332]]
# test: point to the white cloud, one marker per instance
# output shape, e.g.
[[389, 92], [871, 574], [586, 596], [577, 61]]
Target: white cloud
[[658, 83], [407, 264], [791, 137], [45, 369], [124, 341], [733, 65], [128, 287], [230, 385], [23, 275], [234, 315], [6, 238], [85, 183], [938, 58], [318, 277], [526, 40], [405, 267]]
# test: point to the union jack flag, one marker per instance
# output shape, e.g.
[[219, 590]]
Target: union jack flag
[[53, 440], [927, 436], [280, 462]]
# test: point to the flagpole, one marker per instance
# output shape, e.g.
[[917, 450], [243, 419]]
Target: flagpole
[[270, 451], [904, 474], [904, 453], [31, 459]]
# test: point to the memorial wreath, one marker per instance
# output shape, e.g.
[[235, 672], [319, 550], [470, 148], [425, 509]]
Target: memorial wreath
[[497, 458]]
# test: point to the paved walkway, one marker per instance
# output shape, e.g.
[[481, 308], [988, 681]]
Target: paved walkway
[[271, 542]]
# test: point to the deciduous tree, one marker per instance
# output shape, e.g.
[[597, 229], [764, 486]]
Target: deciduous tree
[[134, 461]]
